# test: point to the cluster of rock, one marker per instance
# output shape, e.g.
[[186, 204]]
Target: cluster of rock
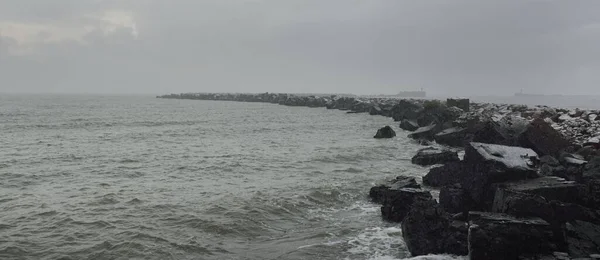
[[522, 191], [527, 188], [447, 119]]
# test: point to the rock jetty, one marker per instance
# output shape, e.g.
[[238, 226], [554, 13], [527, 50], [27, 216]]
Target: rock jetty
[[528, 186]]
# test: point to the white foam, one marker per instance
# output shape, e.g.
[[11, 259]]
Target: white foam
[[377, 243]]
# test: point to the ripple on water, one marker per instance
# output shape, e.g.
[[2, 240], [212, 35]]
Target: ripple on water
[[176, 179]]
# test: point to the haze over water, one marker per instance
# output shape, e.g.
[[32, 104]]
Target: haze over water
[[110, 177]]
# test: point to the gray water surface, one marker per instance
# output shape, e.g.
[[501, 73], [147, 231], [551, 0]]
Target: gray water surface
[[93, 177]]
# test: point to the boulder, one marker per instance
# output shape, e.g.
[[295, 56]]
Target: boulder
[[571, 160], [583, 238], [591, 170], [505, 131], [380, 192], [428, 229], [447, 174], [398, 202], [501, 236], [430, 156], [385, 132], [454, 199], [549, 187], [409, 125], [454, 136], [522, 204], [463, 103], [375, 110], [406, 109], [569, 212], [588, 152], [491, 164], [543, 138], [426, 132]]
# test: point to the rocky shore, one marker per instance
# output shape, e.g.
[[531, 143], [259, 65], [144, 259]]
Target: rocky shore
[[528, 186]]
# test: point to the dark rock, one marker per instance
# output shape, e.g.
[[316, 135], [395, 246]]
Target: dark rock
[[495, 164], [430, 156], [428, 229], [543, 139], [549, 160], [487, 132], [426, 132], [463, 103], [398, 202], [583, 238], [424, 142], [588, 152], [375, 110], [569, 212], [505, 131], [569, 159], [455, 136], [550, 188], [522, 204], [409, 125], [589, 194], [379, 193], [500, 236], [454, 199], [447, 174], [385, 132], [406, 109], [591, 170]]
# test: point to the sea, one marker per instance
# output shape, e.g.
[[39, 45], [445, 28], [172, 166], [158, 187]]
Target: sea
[[136, 177]]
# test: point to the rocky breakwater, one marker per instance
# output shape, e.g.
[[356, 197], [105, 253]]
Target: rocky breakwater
[[527, 188]]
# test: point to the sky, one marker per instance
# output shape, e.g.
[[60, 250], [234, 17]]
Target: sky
[[447, 47]]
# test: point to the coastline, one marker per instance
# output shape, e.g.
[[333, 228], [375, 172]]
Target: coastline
[[527, 188]]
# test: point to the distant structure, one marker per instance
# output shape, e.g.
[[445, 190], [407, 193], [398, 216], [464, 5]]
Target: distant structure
[[417, 94], [521, 94]]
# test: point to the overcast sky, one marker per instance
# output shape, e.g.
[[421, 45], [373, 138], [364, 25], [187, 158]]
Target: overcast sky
[[457, 47]]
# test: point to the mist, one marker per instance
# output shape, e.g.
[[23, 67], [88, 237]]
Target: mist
[[460, 47]]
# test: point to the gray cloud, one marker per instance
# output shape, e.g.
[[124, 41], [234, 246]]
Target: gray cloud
[[447, 47]]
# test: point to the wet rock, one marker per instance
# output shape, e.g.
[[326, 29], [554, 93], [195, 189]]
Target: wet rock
[[463, 103], [454, 199], [385, 132], [544, 139], [505, 131], [550, 187], [575, 160], [426, 132], [409, 125], [447, 174], [588, 152], [522, 204], [406, 109], [569, 212], [398, 202], [379, 193], [583, 238], [455, 136], [375, 110], [495, 164], [430, 156], [593, 142], [500, 236], [591, 170], [589, 193], [428, 229]]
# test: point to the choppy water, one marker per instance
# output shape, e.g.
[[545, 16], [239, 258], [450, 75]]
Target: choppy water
[[90, 177]]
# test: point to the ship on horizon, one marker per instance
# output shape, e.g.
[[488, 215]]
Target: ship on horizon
[[417, 94]]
